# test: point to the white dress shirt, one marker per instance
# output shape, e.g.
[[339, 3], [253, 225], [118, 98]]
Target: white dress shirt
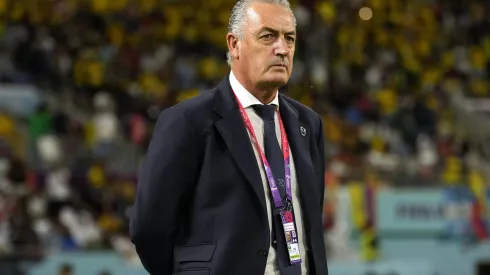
[[248, 100]]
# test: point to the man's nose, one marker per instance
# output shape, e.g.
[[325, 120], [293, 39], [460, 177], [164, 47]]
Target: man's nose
[[282, 47]]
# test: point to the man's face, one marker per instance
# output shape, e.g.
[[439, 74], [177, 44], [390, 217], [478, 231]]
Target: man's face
[[265, 54]]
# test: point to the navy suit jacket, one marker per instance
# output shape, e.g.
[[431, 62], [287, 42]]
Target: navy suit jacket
[[200, 205]]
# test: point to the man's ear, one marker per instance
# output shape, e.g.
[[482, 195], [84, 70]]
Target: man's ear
[[233, 45]]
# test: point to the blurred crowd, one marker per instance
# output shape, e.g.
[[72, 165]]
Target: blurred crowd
[[102, 70], [392, 79]]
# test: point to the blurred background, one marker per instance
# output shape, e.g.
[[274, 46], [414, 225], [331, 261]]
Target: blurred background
[[402, 85]]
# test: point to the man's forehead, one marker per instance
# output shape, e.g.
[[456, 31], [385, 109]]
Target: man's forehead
[[263, 15]]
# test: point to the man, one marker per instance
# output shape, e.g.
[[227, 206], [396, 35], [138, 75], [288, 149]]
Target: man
[[220, 189]]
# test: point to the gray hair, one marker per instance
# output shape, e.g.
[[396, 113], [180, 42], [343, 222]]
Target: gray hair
[[238, 17]]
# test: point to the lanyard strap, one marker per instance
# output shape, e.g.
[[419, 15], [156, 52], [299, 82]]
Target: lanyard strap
[[278, 202]]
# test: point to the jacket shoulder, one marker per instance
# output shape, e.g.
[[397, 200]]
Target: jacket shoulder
[[197, 104], [197, 110]]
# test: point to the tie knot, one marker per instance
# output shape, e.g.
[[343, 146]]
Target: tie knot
[[265, 111]]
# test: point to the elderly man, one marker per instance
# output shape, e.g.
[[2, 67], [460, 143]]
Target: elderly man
[[233, 180]]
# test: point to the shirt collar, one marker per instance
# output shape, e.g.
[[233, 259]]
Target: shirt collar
[[246, 98]]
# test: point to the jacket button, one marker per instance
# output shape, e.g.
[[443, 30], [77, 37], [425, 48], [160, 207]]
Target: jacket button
[[262, 252]]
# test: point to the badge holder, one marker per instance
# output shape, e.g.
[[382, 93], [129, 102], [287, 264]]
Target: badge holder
[[290, 234]]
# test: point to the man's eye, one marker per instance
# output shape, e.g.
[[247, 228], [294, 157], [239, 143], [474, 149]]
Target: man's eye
[[290, 39], [267, 36]]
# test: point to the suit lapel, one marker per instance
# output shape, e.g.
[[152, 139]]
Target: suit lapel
[[304, 171], [300, 147], [235, 135]]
